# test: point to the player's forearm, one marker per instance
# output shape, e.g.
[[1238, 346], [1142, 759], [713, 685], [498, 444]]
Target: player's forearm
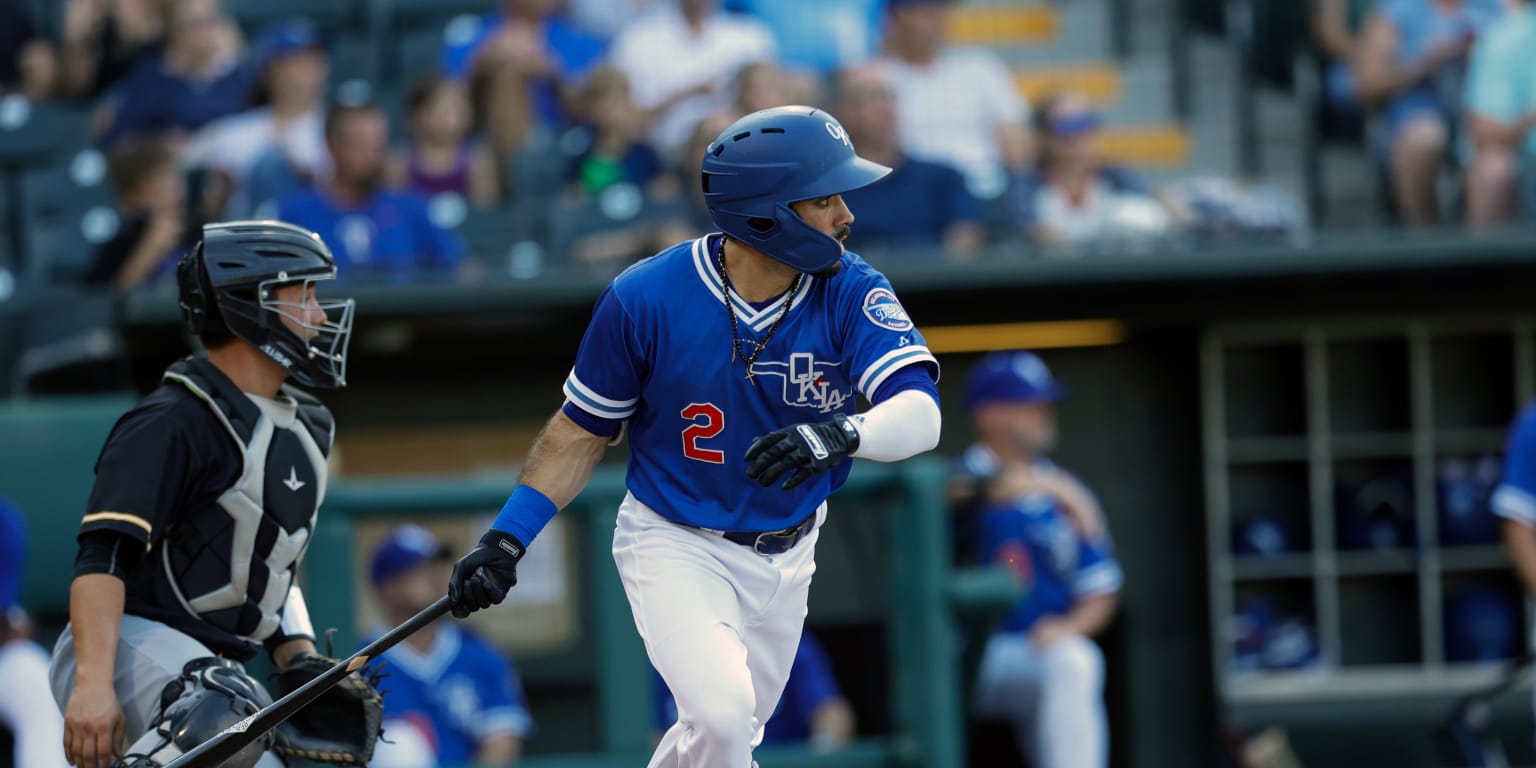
[[1520, 545], [1092, 615], [95, 614], [284, 654], [499, 749], [562, 460], [901, 427]]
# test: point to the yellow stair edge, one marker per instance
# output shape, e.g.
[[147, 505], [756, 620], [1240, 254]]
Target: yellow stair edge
[[997, 25], [1163, 146], [1101, 83]]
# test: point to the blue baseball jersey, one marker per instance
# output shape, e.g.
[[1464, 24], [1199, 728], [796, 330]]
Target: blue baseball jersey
[[1515, 498], [810, 685], [459, 692], [1033, 537], [658, 354]]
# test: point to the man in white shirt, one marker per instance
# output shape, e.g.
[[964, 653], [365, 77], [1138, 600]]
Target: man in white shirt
[[954, 106], [262, 153], [681, 59]]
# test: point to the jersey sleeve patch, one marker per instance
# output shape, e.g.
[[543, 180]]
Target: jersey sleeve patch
[[584, 398], [883, 309]]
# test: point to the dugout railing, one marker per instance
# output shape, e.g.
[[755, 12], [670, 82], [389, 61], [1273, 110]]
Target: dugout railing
[[926, 714]]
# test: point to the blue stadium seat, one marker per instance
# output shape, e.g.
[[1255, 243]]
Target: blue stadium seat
[[253, 15], [507, 240], [62, 251], [64, 191], [36, 133]]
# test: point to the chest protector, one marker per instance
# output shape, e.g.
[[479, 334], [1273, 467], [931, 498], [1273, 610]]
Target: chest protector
[[231, 563]]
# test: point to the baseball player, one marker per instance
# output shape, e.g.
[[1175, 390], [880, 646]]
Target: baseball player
[[1040, 671], [735, 360], [1515, 499], [445, 683], [203, 504], [25, 709]]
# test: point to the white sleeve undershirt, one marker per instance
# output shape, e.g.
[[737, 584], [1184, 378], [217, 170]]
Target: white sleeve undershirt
[[902, 426]]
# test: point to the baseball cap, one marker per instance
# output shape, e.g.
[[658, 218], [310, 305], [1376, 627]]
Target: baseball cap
[[1074, 123], [1017, 376], [13, 553], [285, 37], [405, 548]]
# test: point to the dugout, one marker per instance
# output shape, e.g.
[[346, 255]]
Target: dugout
[[455, 379]]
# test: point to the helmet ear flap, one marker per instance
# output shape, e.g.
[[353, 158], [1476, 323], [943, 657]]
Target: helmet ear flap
[[197, 296]]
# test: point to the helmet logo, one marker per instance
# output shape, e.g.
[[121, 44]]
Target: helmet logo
[[838, 133]]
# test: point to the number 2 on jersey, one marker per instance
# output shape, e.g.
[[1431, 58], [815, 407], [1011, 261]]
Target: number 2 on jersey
[[708, 421]]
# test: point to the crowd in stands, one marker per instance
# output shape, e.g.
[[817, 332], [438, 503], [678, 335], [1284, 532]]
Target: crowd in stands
[[1442, 94], [577, 125], [580, 120]]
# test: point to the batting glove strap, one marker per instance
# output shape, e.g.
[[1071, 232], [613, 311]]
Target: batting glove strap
[[482, 578], [801, 450]]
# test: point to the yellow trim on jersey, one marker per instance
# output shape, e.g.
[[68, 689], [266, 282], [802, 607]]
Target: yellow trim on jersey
[[121, 517]]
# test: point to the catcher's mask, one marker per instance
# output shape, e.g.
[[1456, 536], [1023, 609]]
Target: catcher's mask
[[229, 285]]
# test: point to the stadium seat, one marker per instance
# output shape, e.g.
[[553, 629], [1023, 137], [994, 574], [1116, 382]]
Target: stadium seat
[[64, 191], [1164, 146], [510, 240], [1002, 24], [254, 15], [62, 251], [32, 134], [1098, 81]]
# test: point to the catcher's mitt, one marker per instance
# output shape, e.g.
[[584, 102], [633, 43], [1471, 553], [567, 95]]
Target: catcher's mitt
[[342, 726]]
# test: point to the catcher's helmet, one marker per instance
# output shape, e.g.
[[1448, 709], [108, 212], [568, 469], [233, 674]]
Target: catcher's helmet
[[227, 285], [773, 157]]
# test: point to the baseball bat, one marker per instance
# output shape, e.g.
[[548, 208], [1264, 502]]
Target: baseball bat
[[238, 736]]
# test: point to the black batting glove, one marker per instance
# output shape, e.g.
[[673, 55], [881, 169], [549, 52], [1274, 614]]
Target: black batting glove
[[481, 578], [804, 448]]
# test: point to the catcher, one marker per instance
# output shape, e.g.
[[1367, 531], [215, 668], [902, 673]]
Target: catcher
[[204, 502]]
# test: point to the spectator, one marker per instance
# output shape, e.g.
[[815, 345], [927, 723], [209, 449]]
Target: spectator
[[819, 36], [954, 106], [1072, 196], [614, 137], [278, 146], [28, 64], [197, 79], [447, 685], [1501, 100], [104, 40], [1409, 67], [920, 205], [1041, 671], [1335, 27], [686, 216], [681, 60], [26, 704], [375, 233], [811, 709], [444, 157], [605, 18], [521, 63], [153, 231], [764, 84]]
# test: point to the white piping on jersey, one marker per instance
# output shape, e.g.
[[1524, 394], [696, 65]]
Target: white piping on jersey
[[759, 320], [889, 363], [121, 517], [243, 502], [595, 404]]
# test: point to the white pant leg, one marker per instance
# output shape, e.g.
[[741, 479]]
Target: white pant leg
[[1053, 697], [149, 655], [714, 616]]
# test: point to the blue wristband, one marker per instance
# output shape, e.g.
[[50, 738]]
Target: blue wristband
[[525, 514]]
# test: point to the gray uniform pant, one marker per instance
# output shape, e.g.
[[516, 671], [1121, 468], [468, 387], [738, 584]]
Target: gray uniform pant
[[149, 655]]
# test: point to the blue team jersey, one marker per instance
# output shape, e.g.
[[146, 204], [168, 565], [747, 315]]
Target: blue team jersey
[[458, 692], [658, 354], [1515, 497], [1033, 537]]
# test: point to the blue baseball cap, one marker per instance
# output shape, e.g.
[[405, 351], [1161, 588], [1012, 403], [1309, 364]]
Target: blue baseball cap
[[1074, 123], [1017, 376], [405, 548], [285, 37], [13, 553]]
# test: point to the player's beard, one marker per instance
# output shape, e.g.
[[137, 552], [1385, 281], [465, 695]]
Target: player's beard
[[837, 266]]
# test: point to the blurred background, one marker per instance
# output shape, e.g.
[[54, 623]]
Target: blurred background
[[1279, 250]]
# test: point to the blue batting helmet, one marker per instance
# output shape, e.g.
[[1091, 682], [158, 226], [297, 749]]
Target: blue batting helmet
[[771, 158]]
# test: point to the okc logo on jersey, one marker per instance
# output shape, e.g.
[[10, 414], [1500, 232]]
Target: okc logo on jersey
[[806, 382]]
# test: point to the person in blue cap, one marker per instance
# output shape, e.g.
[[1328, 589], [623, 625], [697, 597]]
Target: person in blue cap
[[26, 705], [454, 689], [278, 145], [1041, 671]]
